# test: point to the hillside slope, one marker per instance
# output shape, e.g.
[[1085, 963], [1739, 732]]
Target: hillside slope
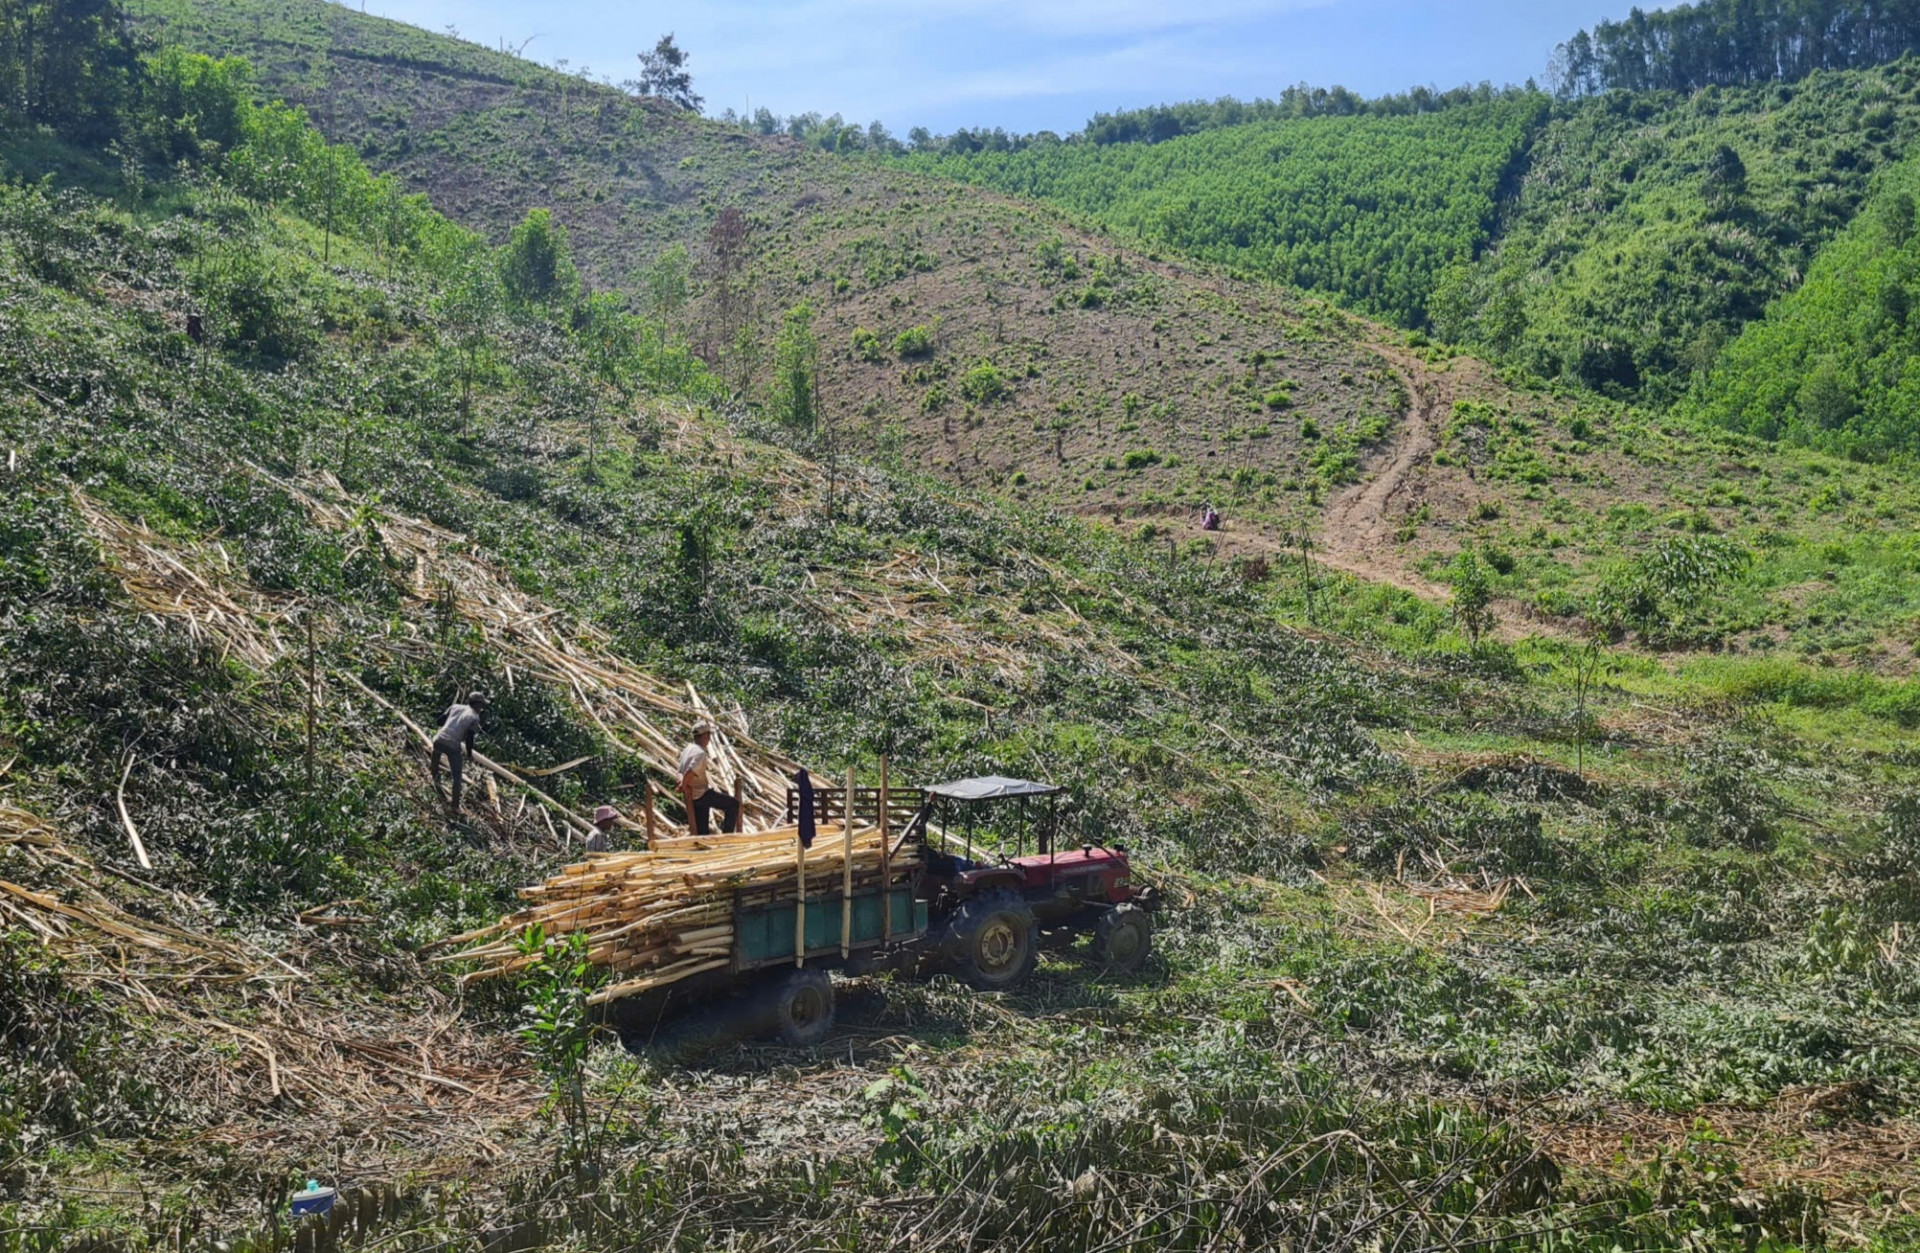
[[176, 518], [1366, 210], [1478, 934], [1831, 364], [1092, 351], [1650, 228], [1617, 240]]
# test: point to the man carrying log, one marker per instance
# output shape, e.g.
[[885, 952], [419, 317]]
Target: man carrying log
[[454, 741], [701, 797]]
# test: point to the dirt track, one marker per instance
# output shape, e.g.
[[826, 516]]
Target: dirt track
[[1357, 531]]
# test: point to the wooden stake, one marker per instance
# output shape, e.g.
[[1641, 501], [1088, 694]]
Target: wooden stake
[[647, 792], [799, 900], [846, 872], [312, 685], [886, 876]]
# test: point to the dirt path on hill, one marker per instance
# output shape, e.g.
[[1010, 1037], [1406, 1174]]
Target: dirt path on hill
[[1357, 529]]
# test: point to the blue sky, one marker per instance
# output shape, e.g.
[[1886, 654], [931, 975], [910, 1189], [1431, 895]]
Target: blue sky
[[1026, 66]]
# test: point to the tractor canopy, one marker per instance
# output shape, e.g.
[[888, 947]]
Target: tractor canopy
[[1000, 815], [991, 787]]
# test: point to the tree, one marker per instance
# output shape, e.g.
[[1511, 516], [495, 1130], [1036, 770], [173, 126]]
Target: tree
[[795, 400], [728, 242], [1472, 604], [1726, 178], [67, 64], [665, 282], [536, 265], [605, 330], [663, 73], [471, 305], [1896, 217]]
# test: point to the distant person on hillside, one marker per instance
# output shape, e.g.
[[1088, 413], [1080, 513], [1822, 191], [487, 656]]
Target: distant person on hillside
[[454, 742], [1209, 519], [604, 819], [701, 797]]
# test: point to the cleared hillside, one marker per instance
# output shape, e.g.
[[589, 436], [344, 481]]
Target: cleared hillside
[[1468, 942], [1049, 353], [1372, 845]]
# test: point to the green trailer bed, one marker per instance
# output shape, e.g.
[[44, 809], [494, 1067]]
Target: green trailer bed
[[763, 929]]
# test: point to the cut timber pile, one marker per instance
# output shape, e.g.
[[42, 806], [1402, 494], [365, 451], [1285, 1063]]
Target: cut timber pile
[[98, 938], [637, 712], [667, 913]]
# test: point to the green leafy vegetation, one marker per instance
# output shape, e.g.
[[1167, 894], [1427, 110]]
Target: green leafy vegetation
[[1367, 209], [1650, 228], [1829, 364], [1473, 937]]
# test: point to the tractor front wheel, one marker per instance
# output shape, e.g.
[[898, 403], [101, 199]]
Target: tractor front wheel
[[1123, 937], [995, 941], [802, 1006]]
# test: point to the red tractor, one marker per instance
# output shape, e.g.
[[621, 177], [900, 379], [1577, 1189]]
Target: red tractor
[[969, 906], [992, 912]]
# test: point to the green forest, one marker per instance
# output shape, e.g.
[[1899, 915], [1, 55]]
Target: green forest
[[1616, 242], [1728, 42], [1831, 365], [1369, 209], [1651, 228]]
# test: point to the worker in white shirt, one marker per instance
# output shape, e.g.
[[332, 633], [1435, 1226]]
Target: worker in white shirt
[[701, 797]]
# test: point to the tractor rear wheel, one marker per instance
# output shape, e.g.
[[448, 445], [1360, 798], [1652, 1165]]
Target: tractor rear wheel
[[1123, 937], [995, 941], [802, 1006]]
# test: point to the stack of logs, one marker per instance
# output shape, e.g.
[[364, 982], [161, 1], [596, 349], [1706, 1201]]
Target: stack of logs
[[665, 914]]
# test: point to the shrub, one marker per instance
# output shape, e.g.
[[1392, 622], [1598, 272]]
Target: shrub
[[915, 341], [866, 345], [983, 384], [1140, 459]]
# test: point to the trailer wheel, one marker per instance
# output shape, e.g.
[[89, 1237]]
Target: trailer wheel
[[803, 1006], [1123, 937], [994, 941]]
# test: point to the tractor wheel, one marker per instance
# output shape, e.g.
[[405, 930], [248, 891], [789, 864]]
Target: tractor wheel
[[1123, 937], [995, 944], [802, 1006]]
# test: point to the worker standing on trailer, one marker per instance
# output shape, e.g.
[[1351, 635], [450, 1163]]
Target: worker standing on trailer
[[701, 797], [454, 741]]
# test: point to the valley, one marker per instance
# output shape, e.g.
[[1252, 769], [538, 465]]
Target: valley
[[1524, 770]]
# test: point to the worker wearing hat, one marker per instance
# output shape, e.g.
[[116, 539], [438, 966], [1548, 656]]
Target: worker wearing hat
[[454, 742], [697, 791], [603, 820]]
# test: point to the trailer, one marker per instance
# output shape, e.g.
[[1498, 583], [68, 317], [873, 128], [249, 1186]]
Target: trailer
[[962, 903]]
